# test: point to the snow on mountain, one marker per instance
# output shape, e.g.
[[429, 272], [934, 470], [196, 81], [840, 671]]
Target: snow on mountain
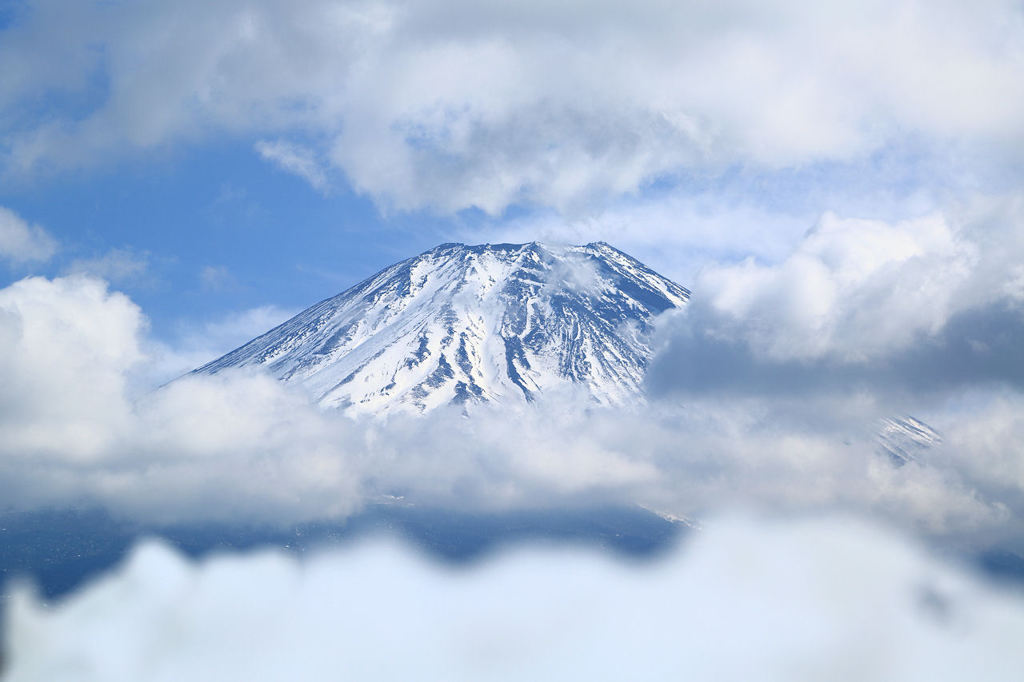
[[463, 324], [905, 439]]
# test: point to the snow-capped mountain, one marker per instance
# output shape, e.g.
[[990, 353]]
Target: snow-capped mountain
[[488, 323], [906, 439]]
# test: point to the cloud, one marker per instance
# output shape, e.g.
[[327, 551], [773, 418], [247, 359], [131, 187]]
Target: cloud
[[21, 242], [864, 319], [905, 316], [449, 104], [77, 429], [195, 344], [235, 329], [870, 292], [802, 600], [975, 348], [295, 159], [675, 235], [853, 288], [117, 266], [216, 278], [66, 346]]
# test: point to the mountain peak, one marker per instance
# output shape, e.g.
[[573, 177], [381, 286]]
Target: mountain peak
[[473, 323]]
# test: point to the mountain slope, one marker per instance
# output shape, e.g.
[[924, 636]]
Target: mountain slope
[[456, 324], [906, 439]]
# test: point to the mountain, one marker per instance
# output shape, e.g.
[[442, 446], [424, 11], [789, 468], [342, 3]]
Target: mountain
[[905, 439], [463, 324]]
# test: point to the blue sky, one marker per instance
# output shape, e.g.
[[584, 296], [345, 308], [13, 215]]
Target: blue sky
[[197, 232], [214, 230]]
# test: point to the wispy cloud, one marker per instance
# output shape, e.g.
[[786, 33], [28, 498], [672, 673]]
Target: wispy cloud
[[216, 278], [196, 343], [296, 159], [21, 242], [118, 266]]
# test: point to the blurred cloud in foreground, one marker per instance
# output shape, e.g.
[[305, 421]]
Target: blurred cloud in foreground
[[745, 599]]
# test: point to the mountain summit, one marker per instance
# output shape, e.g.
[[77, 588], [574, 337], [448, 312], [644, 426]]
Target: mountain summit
[[487, 323]]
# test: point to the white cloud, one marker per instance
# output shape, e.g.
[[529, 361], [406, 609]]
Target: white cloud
[[851, 289], [767, 600], [21, 242], [196, 344], [216, 278], [66, 346], [233, 330], [117, 266], [1014, 287], [675, 235], [449, 104], [73, 429], [295, 159], [978, 443]]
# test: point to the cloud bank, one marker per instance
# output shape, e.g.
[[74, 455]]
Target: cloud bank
[[449, 104], [802, 600], [923, 307], [736, 415]]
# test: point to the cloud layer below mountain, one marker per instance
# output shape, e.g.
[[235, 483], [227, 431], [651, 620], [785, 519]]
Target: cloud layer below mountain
[[759, 394]]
